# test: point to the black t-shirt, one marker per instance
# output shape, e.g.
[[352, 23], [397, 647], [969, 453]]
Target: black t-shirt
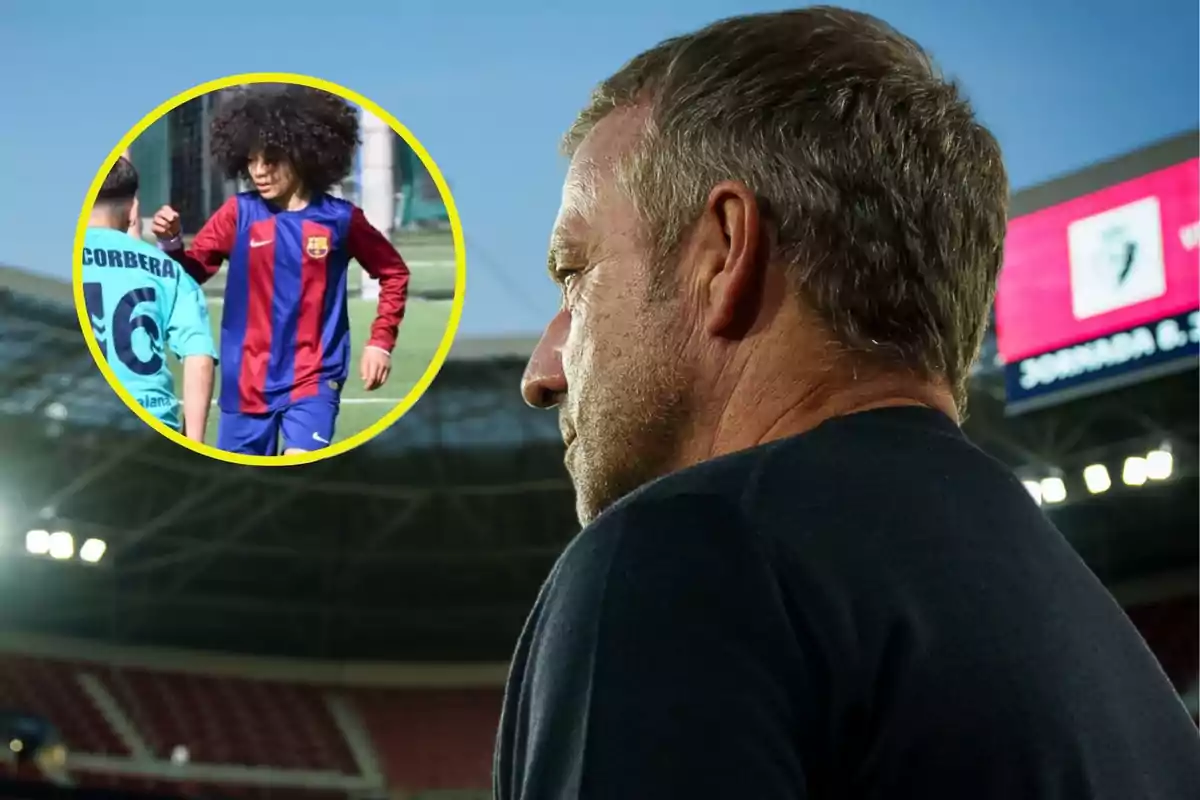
[[873, 609]]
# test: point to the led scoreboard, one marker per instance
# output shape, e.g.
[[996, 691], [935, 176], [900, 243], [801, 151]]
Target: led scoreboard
[[1103, 289]]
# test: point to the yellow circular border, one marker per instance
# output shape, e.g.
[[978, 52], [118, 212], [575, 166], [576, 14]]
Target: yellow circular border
[[460, 272]]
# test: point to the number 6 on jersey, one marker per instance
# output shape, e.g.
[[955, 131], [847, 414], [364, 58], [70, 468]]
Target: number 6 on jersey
[[124, 326]]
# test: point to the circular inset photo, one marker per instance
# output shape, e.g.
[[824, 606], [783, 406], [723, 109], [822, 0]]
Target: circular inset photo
[[269, 269]]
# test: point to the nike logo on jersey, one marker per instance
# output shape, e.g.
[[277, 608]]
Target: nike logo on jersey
[[263, 243], [317, 436]]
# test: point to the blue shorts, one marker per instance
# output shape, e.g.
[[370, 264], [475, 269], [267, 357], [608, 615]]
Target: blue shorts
[[304, 425]]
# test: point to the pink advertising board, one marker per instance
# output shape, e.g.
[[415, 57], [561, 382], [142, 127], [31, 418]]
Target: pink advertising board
[[1108, 261]]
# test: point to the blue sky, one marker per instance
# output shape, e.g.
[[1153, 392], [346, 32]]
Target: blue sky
[[489, 87]]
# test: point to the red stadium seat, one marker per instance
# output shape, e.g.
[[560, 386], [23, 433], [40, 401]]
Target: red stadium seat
[[433, 739], [51, 689], [232, 720]]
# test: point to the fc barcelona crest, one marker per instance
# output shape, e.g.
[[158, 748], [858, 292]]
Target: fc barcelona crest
[[317, 246]]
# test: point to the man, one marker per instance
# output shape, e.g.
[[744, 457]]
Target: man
[[141, 302], [777, 247], [285, 329]]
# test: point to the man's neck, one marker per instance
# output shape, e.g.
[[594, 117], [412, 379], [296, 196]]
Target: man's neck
[[765, 400], [101, 219]]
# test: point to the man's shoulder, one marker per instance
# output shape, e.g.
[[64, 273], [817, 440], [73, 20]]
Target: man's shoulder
[[645, 558], [694, 496], [708, 490], [707, 498], [650, 526]]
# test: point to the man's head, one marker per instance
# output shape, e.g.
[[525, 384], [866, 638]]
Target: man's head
[[115, 200], [779, 208], [286, 140]]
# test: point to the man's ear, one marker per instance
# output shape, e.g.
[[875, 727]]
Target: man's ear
[[135, 218], [730, 228]]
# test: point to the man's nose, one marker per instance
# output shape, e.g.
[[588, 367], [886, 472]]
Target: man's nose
[[544, 385]]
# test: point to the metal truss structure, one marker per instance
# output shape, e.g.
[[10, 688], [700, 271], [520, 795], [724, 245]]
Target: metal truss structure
[[429, 543]]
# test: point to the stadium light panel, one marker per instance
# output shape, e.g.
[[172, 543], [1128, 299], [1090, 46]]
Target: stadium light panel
[[1134, 471], [92, 551], [62, 545], [16, 745], [1053, 490], [1035, 490], [1159, 465], [38, 542], [1097, 479]]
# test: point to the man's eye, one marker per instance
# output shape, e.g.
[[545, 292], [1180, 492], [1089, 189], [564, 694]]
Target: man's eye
[[566, 279]]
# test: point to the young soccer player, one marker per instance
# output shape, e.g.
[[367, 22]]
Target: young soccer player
[[141, 302], [285, 332]]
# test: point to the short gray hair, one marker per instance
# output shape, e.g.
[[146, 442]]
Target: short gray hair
[[884, 193]]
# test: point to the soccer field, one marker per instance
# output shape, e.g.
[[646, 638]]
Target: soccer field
[[430, 257]]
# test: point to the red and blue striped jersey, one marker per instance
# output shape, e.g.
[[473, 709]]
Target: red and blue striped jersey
[[285, 327]]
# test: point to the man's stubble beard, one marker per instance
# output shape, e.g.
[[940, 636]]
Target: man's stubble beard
[[640, 411]]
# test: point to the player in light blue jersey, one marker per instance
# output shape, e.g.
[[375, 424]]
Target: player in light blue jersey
[[141, 303]]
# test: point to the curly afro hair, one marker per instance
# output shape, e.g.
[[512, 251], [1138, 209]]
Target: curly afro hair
[[315, 131]]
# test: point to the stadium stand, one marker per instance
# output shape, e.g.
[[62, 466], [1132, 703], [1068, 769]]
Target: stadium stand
[[50, 689], [156, 721], [230, 721]]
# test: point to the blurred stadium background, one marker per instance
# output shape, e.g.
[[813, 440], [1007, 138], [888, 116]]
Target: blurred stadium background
[[399, 197], [189, 628]]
